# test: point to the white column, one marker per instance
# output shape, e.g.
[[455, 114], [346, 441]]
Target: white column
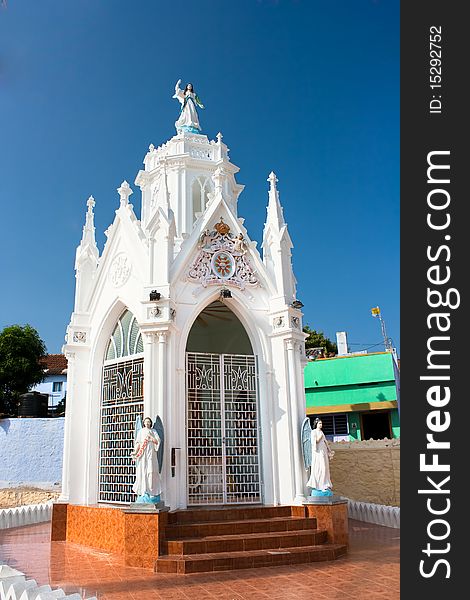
[[151, 261], [150, 374], [295, 422], [65, 492], [163, 413], [162, 375], [273, 434]]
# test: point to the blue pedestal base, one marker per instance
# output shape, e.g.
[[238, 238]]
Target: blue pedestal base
[[315, 493], [146, 499], [188, 129]]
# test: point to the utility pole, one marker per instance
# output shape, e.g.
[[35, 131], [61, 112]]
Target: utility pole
[[387, 341]]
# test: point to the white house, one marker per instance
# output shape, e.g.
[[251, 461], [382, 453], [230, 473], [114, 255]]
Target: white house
[[182, 317], [55, 379]]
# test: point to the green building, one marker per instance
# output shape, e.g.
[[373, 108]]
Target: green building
[[356, 396]]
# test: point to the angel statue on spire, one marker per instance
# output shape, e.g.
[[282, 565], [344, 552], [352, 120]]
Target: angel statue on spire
[[188, 119], [148, 456], [317, 455]]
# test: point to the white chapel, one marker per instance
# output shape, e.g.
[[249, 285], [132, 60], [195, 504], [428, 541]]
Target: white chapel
[[182, 317]]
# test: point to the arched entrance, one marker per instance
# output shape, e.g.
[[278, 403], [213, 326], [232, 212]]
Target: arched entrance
[[122, 400], [222, 411]]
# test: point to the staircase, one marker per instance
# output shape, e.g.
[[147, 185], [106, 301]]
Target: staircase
[[219, 539]]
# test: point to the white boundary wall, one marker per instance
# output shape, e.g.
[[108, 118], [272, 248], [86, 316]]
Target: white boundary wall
[[31, 452], [388, 516], [15, 586], [25, 515]]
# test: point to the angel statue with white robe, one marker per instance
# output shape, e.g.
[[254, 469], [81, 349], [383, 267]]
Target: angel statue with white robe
[[188, 119], [148, 456], [317, 454]]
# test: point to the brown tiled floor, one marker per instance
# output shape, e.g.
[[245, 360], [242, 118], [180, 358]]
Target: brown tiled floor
[[370, 571]]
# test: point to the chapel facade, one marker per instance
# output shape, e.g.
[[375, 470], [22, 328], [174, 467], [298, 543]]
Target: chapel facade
[[182, 317]]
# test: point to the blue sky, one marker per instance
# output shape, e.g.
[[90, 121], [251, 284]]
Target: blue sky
[[307, 88]]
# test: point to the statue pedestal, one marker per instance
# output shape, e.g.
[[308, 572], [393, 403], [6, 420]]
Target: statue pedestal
[[146, 507], [333, 499], [136, 532], [331, 513]]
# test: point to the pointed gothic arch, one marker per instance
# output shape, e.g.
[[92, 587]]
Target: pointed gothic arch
[[200, 189], [122, 400], [223, 447]]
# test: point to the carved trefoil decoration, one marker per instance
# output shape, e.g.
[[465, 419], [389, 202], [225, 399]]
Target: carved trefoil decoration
[[79, 337], [222, 258]]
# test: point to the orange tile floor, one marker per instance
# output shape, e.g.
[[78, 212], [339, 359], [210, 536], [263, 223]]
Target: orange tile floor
[[370, 571]]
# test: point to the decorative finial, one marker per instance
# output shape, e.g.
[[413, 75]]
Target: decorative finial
[[272, 181], [90, 203], [219, 138], [124, 192], [151, 147]]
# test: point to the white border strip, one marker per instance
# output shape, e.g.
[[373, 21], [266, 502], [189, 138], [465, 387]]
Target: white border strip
[[25, 515], [15, 586], [388, 516]]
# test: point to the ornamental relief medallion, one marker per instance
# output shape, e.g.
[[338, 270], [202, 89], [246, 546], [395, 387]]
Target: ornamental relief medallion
[[222, 258], [120, 270]]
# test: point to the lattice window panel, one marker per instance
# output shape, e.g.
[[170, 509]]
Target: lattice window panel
[[122, 402], [222, 429]]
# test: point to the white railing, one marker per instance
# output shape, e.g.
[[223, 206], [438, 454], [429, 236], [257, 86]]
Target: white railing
[[25, 515], [15, 586], [389, 516]]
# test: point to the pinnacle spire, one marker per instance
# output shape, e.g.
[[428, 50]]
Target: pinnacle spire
[[275, 214], [87, 246], [88, 235], [124, 192]]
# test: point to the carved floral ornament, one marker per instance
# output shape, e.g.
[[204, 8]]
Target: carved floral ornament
[[222, 259], [120, 270]]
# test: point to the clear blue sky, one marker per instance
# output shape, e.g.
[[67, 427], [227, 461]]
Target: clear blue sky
[[307, 88]]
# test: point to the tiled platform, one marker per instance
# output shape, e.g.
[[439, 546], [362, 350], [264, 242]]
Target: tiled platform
[[370, 571]]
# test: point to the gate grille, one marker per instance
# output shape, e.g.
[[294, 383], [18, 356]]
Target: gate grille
[[223, 449], [122, 402]]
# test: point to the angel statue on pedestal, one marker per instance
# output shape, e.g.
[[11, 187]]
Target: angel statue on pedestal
[[317, 455], [148, 456], [188, 119]]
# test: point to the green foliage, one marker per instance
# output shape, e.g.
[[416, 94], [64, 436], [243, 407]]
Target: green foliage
[[316, 339], [20, 351], [59, 410]]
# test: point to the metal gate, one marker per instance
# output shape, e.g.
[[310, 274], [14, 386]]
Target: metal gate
[[222, 429], [122, 402]]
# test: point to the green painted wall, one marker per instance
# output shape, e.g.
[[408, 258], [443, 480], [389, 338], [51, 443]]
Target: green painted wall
[[351, 394], [395, 417], [350, 380]]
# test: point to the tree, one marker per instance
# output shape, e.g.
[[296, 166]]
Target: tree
[[59, 410], [316, 339], [20, 351]]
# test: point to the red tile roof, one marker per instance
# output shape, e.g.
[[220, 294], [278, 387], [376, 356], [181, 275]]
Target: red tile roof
[[54, 364]]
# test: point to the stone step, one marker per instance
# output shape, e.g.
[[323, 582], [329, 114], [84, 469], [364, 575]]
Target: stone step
[[248, 559], [208, 528], [248, 541], [232, 514]]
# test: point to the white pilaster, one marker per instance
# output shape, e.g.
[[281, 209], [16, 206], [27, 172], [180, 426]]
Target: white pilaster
[[295, 421], [66, 471]]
